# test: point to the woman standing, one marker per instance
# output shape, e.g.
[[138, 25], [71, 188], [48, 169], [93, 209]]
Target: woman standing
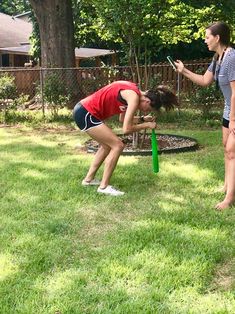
[[222, 70], [122, 98]]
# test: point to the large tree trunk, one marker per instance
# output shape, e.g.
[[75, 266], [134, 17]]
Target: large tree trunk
[[55, 20], [56, 28]]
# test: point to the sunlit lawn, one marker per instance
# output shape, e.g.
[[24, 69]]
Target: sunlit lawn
[[161, 248]]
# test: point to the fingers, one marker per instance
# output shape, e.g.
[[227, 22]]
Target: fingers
[[149, 118], [179, 66], [152, 125], [179, 62]]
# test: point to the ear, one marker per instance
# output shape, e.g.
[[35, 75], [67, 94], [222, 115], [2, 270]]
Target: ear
[[217, 38], [147, 100]]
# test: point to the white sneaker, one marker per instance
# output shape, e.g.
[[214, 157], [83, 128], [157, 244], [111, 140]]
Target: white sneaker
[[109, 190], [92, 182]]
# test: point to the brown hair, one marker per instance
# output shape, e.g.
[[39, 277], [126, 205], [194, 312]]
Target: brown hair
[[162, 96], [221, 29]]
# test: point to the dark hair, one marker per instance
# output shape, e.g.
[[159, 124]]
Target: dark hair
[[221, 29], [162, 96]]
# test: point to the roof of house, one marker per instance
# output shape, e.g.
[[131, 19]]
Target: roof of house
[[23, 14], [21, 50], [83, 53], [80, 53], [13, 31]]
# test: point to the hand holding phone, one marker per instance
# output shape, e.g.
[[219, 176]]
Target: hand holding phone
[[171, 61]]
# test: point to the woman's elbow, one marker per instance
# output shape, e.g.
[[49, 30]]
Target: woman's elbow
[[127, 130], [121, 117], [207, 83]]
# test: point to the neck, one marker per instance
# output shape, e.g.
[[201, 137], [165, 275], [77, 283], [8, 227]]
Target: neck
[[220, 50]]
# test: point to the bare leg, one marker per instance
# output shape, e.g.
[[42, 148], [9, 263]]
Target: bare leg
[[225, 132], [112, 149], [110, 164], [100, 156], [230, 174], [224, 188]]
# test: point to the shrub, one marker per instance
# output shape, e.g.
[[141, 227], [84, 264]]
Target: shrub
[[55, 93], [7, 93], [205, 98], [7, 87]]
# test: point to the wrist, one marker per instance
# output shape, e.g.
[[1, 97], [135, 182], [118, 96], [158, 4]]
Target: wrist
[[141, 119], [183, 70]]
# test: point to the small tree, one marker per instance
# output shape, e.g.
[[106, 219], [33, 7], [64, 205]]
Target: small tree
[[206, 99], [55, 93], [7, 93]]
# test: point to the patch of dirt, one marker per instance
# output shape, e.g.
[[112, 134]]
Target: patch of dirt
[[224, 276], [167, 143]]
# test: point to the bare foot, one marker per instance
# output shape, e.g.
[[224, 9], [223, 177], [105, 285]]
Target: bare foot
[[223, 205]]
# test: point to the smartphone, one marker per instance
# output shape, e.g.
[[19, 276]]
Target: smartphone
[[171, 62]]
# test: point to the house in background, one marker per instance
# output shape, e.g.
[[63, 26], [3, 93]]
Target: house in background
[[14, 32], [15, 47], [24, 16]]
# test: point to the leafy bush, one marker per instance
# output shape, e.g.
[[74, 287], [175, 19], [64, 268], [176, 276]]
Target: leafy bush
[[7, 93], [205, 98], [154, 80], [8, 96], [55, 93], [7, 87], [21, 100]]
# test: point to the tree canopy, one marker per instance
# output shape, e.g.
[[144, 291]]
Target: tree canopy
[[14, 7], [142, 29], [152, 25]]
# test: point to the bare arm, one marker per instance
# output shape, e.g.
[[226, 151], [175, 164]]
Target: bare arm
[[122, 117], [232, 110], [202, 80], [137, 119], [129, 122]]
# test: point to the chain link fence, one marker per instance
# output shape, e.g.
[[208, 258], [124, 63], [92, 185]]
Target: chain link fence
[[72, 84]]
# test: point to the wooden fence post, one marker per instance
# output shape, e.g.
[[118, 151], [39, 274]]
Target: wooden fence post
[[41, 91]]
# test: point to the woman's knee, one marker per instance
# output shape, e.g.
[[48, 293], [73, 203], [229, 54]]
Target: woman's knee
[[230, 154], [230, 151], [118, 146], [230, 147], [105, 148]]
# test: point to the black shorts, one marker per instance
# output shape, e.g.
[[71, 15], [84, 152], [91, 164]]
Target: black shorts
[[225, 123], [84, 119]]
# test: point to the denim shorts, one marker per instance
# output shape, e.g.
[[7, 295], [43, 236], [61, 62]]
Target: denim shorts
[[84, 119]]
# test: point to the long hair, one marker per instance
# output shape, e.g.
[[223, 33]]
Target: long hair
[[222, 29], [162, 96]]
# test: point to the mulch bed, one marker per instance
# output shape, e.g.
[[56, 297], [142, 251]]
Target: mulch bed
[[167, 143]]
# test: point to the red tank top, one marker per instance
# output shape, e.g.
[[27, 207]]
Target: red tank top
[[105, 102]]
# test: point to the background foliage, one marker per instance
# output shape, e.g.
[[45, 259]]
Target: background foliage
[[143, 29]]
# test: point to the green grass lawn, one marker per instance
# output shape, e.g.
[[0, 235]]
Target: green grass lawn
[[161, 248]]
